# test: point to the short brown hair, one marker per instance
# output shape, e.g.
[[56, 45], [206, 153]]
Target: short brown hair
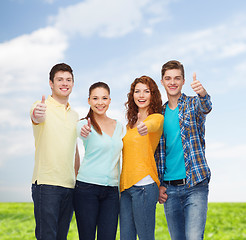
[[173, 64], [60, 67]]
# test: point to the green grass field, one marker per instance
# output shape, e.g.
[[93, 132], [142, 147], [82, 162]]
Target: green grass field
[[225, 221]]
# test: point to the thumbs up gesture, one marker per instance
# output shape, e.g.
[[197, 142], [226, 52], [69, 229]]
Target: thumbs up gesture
[[86, 129], [142, 128], [197, 87], [38, 115]]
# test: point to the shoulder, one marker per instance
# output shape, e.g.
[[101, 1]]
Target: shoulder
[[81, 123], [121, 127], [156, 117], [190, 100]]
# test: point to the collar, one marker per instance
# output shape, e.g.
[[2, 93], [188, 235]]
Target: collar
[[56, 103], [182, 98]]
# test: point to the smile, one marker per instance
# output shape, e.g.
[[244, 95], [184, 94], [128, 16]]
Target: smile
[[100, 108], [173, 87], [64, 89]]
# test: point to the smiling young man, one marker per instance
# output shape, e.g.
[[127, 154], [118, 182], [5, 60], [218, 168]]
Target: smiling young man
[[56, 157], [182, 167]]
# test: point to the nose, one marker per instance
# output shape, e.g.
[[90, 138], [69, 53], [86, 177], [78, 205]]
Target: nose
[[99, 101], [172, 81], [64, 82]]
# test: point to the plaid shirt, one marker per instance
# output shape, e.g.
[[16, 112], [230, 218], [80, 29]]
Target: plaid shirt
[[192, 116]]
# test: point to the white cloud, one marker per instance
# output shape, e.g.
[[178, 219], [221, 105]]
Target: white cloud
[[26, 58], [223, 151], [109, 18], [17, 144], [227, 163]]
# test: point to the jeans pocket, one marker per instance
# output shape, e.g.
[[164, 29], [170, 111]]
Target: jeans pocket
[[203, 183], [84, 187]]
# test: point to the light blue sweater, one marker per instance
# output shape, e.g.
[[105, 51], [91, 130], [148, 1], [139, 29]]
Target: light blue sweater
[[101, 162]]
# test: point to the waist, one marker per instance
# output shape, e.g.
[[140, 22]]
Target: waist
[[178, 182]]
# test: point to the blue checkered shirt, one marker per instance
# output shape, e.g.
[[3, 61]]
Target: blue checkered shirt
[[192, 116]]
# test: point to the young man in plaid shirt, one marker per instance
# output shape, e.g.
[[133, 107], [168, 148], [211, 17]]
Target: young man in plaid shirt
[[180, 156]]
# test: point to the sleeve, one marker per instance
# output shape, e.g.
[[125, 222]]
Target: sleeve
[[154, 122], [204, 104], [160, 158], [123, 130]]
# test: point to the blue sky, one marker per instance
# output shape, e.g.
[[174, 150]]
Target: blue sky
[[115, 42]]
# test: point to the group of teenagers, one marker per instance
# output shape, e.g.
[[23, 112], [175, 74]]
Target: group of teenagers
[[158, 157]]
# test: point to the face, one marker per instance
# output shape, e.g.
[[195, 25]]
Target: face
[[99, 100], [142, 96], [173, 82], [62, 85]]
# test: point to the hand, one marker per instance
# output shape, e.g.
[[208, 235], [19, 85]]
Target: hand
[[162, 195], [39, 112], [86, 129], [197, 87], [142, 128]]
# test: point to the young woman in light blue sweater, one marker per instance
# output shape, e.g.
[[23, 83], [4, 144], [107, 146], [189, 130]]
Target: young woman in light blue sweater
[[96, 196]]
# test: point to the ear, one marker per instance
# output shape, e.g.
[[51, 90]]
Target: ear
[[89, 101], [51, 84], [162, 82]]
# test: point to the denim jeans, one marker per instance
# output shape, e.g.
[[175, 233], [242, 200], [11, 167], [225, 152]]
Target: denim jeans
[[53, 211], [137, 212], [96, 207], [186, 211]]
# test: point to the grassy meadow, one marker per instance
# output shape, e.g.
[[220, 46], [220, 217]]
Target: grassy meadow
[[225, 221]]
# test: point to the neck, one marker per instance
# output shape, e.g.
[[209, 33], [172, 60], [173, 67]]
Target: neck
[[143, 114], [100, 118], [173, 101]]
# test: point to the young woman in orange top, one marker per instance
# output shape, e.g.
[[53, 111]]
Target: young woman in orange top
[[139, 179]]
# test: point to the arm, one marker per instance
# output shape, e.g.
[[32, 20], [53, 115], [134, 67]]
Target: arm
[[154, 122], [160, 156], [77, 161]]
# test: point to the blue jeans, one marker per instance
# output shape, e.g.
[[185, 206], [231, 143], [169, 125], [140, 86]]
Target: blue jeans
[[96, 207], [53, 211], [137, 212], [186, 211]]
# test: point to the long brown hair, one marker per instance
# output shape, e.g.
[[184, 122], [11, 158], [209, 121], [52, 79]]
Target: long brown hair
[[155, 100], [90, 113]]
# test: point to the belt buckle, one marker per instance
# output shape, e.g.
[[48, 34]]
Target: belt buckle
[[183, 183]]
